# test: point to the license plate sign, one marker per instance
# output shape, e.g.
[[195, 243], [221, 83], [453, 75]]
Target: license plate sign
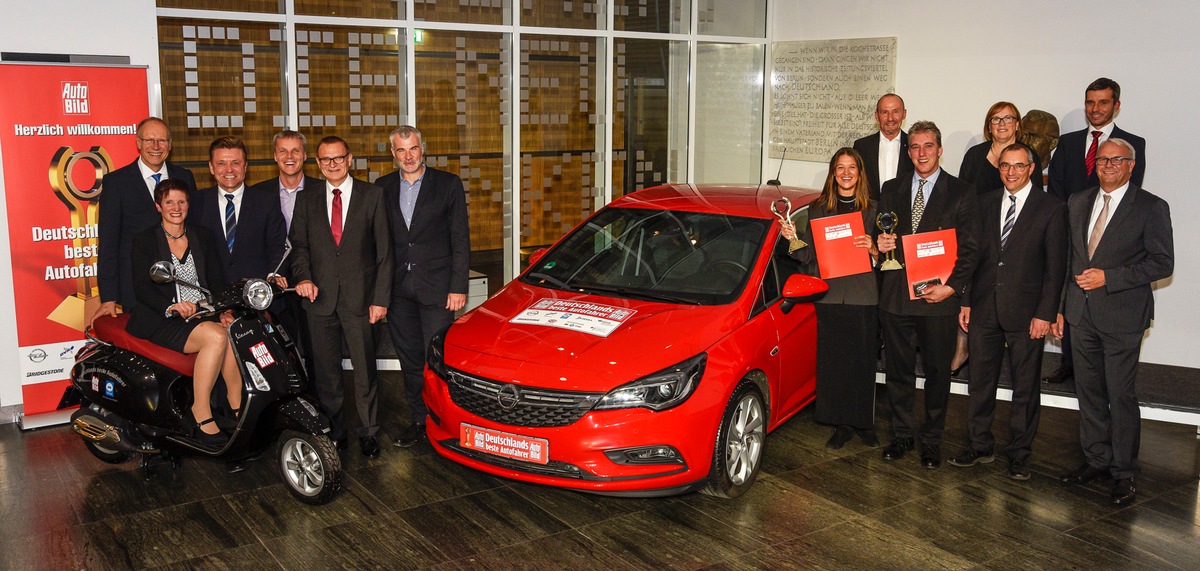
[[504, 444]]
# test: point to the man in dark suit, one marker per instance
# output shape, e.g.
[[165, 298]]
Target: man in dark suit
[[885, 154], [343, 266], [246, 221], [127, 207], [428, 211], [289, 156], [1120, 244], [1072, 168], [1010, 303], [928, 199]]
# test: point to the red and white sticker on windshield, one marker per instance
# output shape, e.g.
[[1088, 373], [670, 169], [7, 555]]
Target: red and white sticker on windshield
[[591, 318]]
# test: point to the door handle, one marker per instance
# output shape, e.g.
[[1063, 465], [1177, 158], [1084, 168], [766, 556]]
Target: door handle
[[774, 350]]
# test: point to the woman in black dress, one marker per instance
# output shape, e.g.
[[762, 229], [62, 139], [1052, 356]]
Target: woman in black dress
[[848, 315], [161, 308]]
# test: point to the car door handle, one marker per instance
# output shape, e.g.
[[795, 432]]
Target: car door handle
[[774, 350]]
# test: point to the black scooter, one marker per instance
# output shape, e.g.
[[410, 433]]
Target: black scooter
[[135, 397]]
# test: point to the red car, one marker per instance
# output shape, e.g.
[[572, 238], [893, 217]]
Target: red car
[[648, 352]]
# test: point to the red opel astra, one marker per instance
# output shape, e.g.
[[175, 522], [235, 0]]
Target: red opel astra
[[648, 352]]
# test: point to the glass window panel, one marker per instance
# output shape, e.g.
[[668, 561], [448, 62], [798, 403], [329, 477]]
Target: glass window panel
[[729, 110], [747, 18], [219, 78], [664, 16], [463, 109], [561, 143], [463, 11], [387, 9], [351, 84], [583, 14], [649, 114], [263, 6]]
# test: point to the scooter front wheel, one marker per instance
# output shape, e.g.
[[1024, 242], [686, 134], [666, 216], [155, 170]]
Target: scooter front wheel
[[310, 466]]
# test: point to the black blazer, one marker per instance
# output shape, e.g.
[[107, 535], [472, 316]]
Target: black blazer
[[258, 244], [951, 205], [1023, 280], [868, 147], [978, 172], [1136, 250], [272, 185], [858, 289], [126, 208], [359, 270], [1068, 170], [435, 251], [153, 299]]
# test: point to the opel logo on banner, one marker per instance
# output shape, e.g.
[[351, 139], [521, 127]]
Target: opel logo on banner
[[508, 396]]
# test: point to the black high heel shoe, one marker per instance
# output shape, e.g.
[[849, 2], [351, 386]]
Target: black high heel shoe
[[227, 423], [214, 440]]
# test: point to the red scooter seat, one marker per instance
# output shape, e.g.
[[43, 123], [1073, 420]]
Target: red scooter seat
[[112, 330]]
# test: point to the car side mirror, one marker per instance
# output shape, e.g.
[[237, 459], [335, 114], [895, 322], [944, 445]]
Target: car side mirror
[[536, 256], [800, 288]]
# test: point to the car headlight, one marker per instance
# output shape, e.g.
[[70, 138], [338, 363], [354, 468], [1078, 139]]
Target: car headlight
[[435, 355], [258, 294], [658, 391]]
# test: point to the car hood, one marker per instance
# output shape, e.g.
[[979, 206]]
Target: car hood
[[651, 337]]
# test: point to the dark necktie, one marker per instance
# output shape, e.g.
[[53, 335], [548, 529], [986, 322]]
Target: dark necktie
[[1009, 220], [1090, 159], [335, 217], [919, 205], [230, 222]]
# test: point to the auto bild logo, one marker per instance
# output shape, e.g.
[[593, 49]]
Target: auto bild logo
[[75, 98], [508, 396], [37, 355], [262, 355]]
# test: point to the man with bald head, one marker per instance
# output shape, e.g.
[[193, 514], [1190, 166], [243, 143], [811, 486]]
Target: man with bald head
[[885, 153]]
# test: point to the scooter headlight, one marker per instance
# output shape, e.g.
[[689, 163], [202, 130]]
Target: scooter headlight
[[258, 294]]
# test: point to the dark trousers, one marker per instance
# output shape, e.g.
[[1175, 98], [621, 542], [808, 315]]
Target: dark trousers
[[1110, 420], [847, 338], [936, 335], [328, 331], [988, 342], [412, 324]]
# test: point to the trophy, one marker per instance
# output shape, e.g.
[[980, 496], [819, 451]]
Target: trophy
[[82, 205], [783, 209], [886, 221]]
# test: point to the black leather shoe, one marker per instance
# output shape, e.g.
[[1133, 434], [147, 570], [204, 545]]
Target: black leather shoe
[[1123, 492], [1084, 474], [369, 445], [1059, 376], [411, 435], [897, 448], [841, 435], [931, 456], [1017, 470], [868, 437], [971, 457]]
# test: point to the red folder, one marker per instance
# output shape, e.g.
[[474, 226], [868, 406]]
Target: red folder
[[929, 256], [833, 239]]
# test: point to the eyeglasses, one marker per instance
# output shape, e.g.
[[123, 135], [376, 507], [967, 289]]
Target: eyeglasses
[[1016, 166], [1007, 119], [1116, 161], [158, 142], [332, 160]]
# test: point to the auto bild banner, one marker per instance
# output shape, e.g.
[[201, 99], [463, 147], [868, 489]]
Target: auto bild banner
[[62, 127]]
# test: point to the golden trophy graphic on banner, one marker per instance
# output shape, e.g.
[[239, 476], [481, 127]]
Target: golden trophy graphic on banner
[[74, 310]]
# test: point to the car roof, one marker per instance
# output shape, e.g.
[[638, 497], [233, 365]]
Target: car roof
[[735, 200]]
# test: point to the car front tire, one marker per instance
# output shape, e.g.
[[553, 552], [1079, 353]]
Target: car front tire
[[740, 443]]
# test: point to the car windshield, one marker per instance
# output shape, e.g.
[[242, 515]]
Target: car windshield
[[660, 255]]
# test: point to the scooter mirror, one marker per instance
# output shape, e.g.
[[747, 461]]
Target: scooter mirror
[[162, 273]]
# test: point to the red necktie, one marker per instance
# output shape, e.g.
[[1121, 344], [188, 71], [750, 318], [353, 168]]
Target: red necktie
[[335, 217], [1090, 159]]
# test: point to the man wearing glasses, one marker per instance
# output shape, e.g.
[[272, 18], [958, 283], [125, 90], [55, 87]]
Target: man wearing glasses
[[342, 264], [1010, 303], [1120, 244], [1073, 166], [127, 207]]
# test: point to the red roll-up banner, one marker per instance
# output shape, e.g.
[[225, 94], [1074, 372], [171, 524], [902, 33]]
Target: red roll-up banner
[[62, 127]]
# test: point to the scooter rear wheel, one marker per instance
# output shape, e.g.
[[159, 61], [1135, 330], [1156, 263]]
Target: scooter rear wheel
[[310, 467], [107, 454]]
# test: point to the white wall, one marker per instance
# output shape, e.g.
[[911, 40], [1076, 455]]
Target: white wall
[[957, 58], [125, 28]]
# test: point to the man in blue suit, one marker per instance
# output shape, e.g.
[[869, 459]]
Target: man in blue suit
[[127, 207]]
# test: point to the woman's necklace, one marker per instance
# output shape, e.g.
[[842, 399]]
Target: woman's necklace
[[182, 233]]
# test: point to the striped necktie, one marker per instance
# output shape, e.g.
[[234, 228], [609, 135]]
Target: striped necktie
[[230, 221], [1009, 220]]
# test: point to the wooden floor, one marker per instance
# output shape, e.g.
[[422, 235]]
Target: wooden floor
[[811, 508]]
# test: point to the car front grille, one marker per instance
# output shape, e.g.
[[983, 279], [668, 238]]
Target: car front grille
[[514, 405]]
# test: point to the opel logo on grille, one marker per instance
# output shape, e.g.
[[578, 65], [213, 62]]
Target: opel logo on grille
[[508, 396]]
